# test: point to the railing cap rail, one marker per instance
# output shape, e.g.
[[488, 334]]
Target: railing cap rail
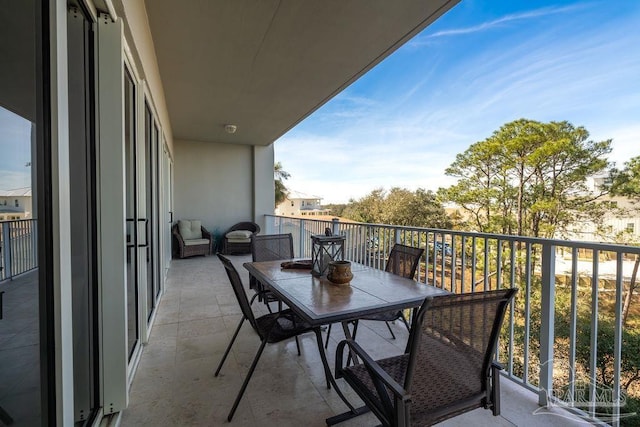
[[607, 247]]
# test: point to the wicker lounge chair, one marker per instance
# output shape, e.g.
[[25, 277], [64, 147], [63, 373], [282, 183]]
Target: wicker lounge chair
[[269, 247], [237, 239], [190, 246], [271, 328], [447, 368], [403, 260]]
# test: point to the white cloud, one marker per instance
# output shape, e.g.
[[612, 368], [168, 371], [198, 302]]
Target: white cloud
[[488, 25]]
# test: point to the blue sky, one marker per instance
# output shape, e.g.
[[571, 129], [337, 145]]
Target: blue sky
[[15, 151], [481, 65]]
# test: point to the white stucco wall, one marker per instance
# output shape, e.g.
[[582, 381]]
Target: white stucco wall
[[264, 188], [222, 184]]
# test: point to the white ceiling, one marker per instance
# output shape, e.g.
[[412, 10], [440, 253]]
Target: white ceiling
[[265, 65]]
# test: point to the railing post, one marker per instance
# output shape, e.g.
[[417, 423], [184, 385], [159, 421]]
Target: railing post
[[6, 249], [301, 239], [335, 226], [396, 235], [547, 320]]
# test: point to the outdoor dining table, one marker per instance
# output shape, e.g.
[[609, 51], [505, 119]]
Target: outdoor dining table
[[320, 302]]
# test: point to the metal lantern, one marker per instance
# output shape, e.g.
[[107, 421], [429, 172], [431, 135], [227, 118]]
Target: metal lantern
[[325, 249]]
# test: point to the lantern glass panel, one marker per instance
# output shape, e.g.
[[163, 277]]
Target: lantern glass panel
[[325, 249]]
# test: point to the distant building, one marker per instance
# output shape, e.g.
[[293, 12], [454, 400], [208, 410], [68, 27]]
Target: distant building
[[15, 204], [300, 204], [623, 217]]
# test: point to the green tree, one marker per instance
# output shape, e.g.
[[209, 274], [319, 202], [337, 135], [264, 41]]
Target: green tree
[[399, 206], [367, 209], [336, 209], [280, 175], [419, 208], [626, 182], [528, 178]]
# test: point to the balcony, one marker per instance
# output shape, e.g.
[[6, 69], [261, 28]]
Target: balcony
[[17, 248], [174, 382]]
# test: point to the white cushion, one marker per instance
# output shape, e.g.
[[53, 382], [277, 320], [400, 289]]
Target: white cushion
[[239, 234], [190, 229], [236, 240], [193, 242]]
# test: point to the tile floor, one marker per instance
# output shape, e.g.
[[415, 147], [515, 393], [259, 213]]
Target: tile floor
[[174, 384]]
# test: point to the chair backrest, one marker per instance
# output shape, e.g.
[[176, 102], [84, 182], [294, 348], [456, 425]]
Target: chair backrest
[[451, 346], [238, 289], [271, 247], [403, 260], [246, 225]]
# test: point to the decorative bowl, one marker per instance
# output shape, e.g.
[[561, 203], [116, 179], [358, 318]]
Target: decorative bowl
[[339, 272]]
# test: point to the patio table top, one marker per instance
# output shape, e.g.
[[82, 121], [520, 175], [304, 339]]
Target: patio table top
[[319, 301]]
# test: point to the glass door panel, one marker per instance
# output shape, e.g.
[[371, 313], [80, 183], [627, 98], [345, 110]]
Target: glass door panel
[[26, 288], [157, 264], [131, 219], [80, 58], [151, 138]]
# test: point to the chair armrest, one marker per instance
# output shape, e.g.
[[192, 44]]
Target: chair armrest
[[376, 372], [205, 233], [179, 237]]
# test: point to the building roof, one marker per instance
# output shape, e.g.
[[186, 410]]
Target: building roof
[[17, 192], [296, 195]]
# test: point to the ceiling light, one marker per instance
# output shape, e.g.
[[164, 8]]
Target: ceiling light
[[230, 128]]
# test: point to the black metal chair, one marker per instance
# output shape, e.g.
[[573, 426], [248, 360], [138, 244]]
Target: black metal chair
[[447, 367], [269, 247], [271, 328], [403, 260]]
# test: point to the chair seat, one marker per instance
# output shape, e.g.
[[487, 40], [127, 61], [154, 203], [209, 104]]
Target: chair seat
[[395, 366], [238, 240], [287, 325], [194, 242], [387, 316]]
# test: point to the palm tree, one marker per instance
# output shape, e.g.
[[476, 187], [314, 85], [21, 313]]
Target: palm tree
[[280, 175]]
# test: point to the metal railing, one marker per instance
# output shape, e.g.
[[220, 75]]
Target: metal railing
[[566, 335], [18, 250]]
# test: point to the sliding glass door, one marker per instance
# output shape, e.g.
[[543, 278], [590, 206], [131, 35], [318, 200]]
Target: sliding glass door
[[26, 286], [131, 169], [152, 181], [82, 173]]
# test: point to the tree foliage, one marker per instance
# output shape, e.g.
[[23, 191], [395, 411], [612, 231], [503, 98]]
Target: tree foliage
[[528, 178], [336, 209], [280, 175], [626, 182], [399, 206]]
